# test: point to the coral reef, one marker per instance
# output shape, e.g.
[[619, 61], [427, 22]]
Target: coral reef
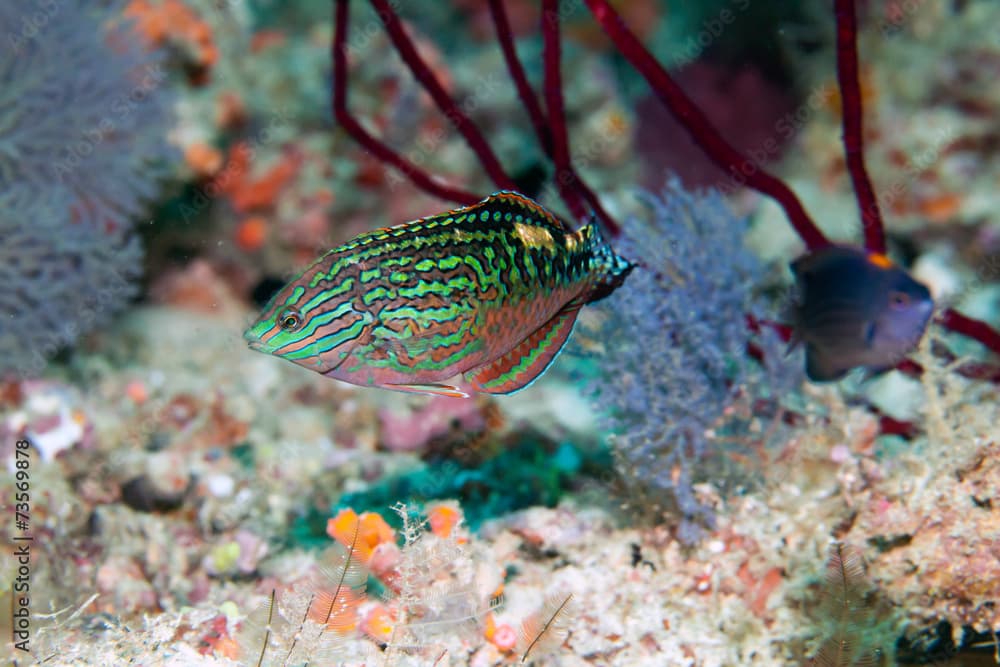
[[932, 533], [178, 583], [672, 493], [273, 184]]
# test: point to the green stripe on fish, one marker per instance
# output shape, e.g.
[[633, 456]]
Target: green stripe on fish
[[491, 291]]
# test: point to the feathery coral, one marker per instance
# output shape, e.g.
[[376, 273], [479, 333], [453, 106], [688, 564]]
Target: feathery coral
[[848, 611], [544, 631], [677, 345], [82, 118], [330, 614]]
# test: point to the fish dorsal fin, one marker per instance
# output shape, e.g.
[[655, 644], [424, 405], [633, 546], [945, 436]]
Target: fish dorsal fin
[[515, 202], [519, 367], [820, 261]]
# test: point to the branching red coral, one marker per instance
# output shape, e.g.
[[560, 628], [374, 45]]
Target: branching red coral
[[517, 74], [380, 150], [971, 328], [853, 132], [571, 186], [551, 55], [724, 155], [700, 128], [550, 129], [408, 52]]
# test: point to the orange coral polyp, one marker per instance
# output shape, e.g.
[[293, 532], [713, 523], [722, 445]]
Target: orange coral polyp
[[372, 530], [251, 233], [443, 519], [173, 20], [378, 622], [504, 638]]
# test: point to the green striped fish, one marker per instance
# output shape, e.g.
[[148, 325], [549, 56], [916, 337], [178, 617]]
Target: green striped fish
[[490, 290]]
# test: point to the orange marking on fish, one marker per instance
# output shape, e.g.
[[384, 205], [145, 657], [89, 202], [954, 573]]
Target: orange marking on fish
[[880, 260]]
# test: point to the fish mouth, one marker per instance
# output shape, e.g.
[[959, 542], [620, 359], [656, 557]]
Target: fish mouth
[[259, 346]]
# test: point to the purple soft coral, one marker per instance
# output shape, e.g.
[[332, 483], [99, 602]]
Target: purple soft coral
[[82, 117], [676, 340]]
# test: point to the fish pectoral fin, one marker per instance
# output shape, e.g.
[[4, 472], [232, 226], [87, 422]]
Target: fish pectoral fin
[[448, 390], [518, 368], [419, 343], [868, 333], [821, 368]]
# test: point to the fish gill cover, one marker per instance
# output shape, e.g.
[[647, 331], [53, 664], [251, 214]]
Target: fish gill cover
[[83, 120]]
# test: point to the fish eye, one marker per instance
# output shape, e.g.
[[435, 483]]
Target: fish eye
[[290, 320], [899, 299]]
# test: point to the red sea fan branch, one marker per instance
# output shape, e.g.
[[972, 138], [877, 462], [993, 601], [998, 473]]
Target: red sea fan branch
[[554, 103], [699, 127], [853, 133], [437, 92], [528, 99], [871, 216], [420, 178], [551, 129], [971, 328], [571, 187]]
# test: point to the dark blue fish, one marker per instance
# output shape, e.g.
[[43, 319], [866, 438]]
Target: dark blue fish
[[856, 309]]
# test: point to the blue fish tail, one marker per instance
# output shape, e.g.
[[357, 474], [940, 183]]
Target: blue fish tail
[[608, 268]]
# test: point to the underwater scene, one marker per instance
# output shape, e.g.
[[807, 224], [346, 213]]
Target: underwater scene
[[361, 333]]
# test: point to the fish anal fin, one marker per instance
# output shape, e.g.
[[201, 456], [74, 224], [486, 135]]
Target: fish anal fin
[[447, 390], [518, 368]]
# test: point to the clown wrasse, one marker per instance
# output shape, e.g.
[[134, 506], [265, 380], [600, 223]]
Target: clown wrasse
[[490, 291]]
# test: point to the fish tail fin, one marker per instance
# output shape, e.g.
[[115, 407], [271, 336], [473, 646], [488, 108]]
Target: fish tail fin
[[607, 267]]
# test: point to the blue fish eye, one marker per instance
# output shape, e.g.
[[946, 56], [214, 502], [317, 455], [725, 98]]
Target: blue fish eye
[[290, 320]]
